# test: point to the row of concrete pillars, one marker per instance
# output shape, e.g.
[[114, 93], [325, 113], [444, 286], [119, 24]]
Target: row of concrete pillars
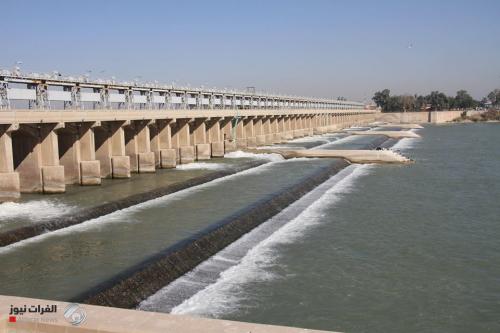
[[45, 157]]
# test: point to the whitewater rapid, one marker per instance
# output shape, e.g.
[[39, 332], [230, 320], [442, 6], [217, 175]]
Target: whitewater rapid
[[214, 288]]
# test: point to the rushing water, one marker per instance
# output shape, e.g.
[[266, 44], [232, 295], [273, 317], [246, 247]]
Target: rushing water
[[388, 249], [64, 263]]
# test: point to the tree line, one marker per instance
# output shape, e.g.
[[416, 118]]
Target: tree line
[[435, 101]]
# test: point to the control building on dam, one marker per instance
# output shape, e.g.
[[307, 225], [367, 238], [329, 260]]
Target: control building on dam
[[56, 131]]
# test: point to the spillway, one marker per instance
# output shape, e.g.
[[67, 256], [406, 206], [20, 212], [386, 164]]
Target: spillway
[[73, 261]]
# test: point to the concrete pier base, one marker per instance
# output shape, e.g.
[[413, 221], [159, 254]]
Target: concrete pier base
[[186, 154], [229, 146], [298, 133], [252, 142], [10, 187], [120, 166], [269, 139], [53, 179], [288, 135], [203, 151], [241, 143], [146, 162], [168, 158], [277, 138], [260, 140], [90, 173], [217, 149]]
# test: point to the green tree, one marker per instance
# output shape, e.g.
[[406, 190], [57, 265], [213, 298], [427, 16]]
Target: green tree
[[420, 103], [494, 97], [381, 98], [438, 101], [394, 104], [463, 100], [408, 102]]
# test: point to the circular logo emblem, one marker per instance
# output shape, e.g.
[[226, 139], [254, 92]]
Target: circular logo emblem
[[74, 314]]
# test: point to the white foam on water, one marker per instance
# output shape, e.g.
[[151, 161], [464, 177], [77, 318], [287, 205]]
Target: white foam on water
[[405, 144], [243, 154], [315, 138], [225, 295], [33, 210], [341, 140], [357, 128], [280, 147], [201, 166]]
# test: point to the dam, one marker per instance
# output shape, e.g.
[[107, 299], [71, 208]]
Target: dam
[[152, 203], [58, 131]]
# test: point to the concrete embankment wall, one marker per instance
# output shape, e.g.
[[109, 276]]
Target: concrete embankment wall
[[112, 320], [434, 117]]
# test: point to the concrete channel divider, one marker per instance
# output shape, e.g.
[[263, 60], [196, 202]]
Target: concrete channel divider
[[360, 156], [389, 134]]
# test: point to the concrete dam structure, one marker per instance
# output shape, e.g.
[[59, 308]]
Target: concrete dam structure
[[56, 131]]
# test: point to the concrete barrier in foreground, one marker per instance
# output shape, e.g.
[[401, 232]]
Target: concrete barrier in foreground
[[53, 316]]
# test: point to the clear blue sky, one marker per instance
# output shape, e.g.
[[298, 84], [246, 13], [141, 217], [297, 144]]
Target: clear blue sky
[[322, 48]]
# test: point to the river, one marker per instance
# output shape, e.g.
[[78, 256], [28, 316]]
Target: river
[[373, 249], [388, 249]]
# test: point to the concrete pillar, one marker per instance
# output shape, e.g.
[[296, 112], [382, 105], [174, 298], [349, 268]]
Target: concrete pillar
[[182, 140], [145, 157], [215, 137], [288, 128], [26, 152], [52, 172], [161, 144], [227, 134], [241, 141], [110, 149], [198, 133], [267, 130], [76, 146], [69, 153], [90, 168], [317, 127], [226, 128], [249, 132], [9, 179], [275, 128], [260, 137]]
